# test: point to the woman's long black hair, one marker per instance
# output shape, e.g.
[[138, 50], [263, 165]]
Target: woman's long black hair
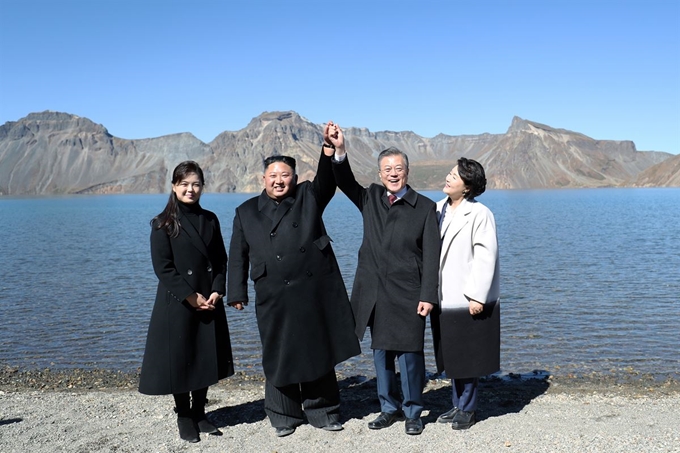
[[169, 218]]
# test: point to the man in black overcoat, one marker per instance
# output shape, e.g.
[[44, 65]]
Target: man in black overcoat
[[303, 312], [396, 281]]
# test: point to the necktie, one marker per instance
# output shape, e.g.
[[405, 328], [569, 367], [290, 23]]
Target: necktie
[[391, 198]]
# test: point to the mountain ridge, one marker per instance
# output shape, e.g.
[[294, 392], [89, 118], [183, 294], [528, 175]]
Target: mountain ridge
[[56, 153]]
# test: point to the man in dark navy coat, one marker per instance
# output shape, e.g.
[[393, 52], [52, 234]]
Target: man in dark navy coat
[[396, 281], [303, 312]]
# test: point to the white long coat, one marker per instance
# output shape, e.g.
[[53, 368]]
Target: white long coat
[[465, 345], [469, 267]]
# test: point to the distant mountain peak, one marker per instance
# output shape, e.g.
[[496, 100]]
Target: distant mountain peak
[[521, 125], [51, 115], [277, 116]]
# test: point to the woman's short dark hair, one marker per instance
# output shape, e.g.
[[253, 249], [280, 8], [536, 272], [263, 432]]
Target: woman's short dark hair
[[169, 218], [285, 159], [472, 174]]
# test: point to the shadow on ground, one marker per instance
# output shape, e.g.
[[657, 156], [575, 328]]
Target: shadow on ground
[[9, 421], [251, 412], [358, 395], [498, 396]]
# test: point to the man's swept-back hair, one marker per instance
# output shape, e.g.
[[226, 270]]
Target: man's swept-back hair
[[392, 151], [285, 159]]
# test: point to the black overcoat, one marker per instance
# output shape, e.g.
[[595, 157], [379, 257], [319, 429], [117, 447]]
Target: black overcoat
[[398, 263], [187, 349], [303, 312]]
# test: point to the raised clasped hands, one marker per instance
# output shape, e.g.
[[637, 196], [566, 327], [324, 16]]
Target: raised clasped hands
[[332, 134]]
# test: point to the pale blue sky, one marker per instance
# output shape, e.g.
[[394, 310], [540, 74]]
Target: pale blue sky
[[146, 68]]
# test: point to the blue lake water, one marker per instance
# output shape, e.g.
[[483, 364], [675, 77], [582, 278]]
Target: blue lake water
[[590, 280]]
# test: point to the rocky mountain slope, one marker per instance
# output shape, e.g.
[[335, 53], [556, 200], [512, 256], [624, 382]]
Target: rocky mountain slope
[[664, 174], [54, 153]]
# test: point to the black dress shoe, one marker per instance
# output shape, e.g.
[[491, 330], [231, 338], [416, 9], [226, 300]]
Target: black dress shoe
[[187, 429], [333, 426], [414, 425], [385, 419], [284, 431], [463, 420], [447, 417]]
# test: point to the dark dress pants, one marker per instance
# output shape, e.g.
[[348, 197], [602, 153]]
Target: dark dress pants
[[320, 400], [412, 368], [465, 394]]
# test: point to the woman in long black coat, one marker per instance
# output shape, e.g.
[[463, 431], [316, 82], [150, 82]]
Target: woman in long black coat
[[187, 347]]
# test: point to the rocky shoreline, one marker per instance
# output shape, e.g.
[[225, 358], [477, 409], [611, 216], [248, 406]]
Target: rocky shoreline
[[14, 379], [101, 410]]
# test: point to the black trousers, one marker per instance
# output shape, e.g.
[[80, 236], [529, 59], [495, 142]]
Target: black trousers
[[320, 400]]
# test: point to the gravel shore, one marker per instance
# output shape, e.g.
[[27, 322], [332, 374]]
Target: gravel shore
[[101, 411]]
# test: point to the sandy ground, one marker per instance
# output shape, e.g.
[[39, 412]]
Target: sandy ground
[[96, 413]]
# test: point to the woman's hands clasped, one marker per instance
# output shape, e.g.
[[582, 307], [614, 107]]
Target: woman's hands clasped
[[200, 303]]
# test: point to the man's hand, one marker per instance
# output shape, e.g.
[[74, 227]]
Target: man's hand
[[424, 308], [333, 135], [236, 305]]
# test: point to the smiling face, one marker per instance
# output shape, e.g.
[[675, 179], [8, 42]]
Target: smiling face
[[188, 189], [393, 173], [279, 180], [454, 187]]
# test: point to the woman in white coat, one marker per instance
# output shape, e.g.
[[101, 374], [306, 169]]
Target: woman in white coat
[[466, 329]]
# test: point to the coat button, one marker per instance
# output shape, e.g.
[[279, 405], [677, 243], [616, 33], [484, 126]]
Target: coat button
[[286, 282], [309, 273], [209, 269], [295, 224], [190, 272], [279, 257], [302, 249], [272, 234]]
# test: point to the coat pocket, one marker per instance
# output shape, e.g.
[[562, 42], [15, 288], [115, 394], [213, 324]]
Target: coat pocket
[[323, 242], [257, 271]]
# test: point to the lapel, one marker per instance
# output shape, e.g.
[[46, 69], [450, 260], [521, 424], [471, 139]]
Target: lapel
[[193, 235], [410, 197], [453, 225], [274, 212]]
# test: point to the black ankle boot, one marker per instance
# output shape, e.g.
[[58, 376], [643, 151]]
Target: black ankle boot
[[198, 402], [204, 426], [187, 427]]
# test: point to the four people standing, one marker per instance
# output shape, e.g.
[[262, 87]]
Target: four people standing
[[415, 259]]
